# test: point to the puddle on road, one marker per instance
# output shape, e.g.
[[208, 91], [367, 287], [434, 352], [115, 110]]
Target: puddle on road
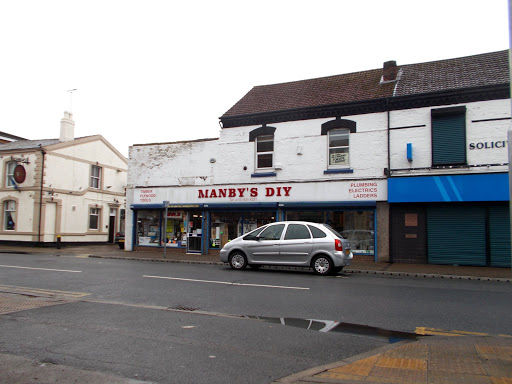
[[341, 327]]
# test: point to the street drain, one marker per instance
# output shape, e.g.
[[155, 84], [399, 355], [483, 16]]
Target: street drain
[[183, 308], [336, 326]]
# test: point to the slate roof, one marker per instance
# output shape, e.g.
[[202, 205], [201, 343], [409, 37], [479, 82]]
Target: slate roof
[[436, 76], [27, 144]]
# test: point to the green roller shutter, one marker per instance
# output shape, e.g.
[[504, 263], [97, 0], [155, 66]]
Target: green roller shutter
[[449, 136], [456, 235], [499, 236]]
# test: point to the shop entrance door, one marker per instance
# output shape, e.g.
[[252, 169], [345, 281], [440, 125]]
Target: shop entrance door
[[194, 232]]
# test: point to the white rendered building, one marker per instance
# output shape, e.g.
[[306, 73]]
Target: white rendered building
[[71, 189]]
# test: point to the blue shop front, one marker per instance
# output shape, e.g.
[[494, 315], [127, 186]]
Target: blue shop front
[[450, 219]]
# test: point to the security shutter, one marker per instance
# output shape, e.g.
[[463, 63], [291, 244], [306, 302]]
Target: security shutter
[[449, 136], [499, 236], [456, 235]]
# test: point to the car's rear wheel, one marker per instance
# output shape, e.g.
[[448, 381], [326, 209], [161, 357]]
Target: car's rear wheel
[[322, 265], [237, 260]]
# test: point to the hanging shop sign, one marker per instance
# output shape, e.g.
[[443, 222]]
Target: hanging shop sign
[[19, 174]]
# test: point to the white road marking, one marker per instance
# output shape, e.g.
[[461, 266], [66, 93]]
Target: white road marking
[[225, 282], [40, 269]]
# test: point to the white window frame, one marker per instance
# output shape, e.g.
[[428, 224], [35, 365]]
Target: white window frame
[[9, 174], [9, 210], [96, 177], [338, 132], [263, 139], [94, 212]]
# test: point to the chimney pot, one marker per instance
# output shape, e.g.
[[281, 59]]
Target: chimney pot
[[389, 71]]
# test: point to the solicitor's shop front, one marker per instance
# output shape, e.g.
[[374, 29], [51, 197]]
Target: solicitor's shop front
[[201, 218]]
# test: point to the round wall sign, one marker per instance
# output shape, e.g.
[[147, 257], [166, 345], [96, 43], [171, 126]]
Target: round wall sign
[[19, 174]]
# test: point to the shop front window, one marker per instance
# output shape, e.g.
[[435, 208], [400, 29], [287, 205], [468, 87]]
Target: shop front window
[[175, 235], [355, 226], [226, 226], [148, 228]]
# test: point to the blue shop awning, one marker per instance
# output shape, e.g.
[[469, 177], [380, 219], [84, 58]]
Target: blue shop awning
[[457, 188]]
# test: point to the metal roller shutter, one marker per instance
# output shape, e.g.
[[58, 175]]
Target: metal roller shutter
[[456, 235], [499, 236], [449, 136]]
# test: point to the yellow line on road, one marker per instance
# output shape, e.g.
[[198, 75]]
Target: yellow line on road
[[40, 291], [441, 332]]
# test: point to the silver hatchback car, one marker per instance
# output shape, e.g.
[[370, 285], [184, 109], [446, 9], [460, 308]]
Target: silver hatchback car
[[293, 243]]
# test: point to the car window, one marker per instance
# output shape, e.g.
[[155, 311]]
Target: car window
[[252, 235], [317, 233], [272, 232], [297, 231]]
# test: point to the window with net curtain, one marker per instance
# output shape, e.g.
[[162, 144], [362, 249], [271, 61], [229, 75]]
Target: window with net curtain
[[9, 215], [9, 174]]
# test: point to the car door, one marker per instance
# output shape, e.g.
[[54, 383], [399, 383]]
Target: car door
[[265, 248], [296, 246]]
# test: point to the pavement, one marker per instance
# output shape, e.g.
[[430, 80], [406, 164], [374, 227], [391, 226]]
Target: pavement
[[435, 357]]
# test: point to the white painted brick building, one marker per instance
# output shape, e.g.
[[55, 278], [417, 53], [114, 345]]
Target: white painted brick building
[[327, 150]]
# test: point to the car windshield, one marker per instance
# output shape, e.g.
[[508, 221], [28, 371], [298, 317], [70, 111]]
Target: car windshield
[[333, 231]]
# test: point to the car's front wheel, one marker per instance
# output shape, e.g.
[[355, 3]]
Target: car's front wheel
[[237, 260], [322, 265]]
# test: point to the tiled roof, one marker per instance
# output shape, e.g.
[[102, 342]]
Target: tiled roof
[[466, 72]]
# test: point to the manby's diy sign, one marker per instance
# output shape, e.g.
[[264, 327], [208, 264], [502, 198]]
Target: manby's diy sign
[[370, 190], [243, 192]]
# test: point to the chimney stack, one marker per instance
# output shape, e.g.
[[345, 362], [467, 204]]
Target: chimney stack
[[67, 127], [389, 71]]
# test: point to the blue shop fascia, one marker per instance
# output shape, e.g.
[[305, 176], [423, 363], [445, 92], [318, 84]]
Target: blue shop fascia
[[459, 219]]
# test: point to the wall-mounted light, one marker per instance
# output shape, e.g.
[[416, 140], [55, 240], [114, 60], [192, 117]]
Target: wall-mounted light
[[212, 160]]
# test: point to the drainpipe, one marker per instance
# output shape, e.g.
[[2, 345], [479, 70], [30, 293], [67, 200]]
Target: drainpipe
[[41, 197], [389, 139], [388, 173]]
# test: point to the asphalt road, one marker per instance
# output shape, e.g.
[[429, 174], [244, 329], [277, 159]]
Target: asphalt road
[[195, 323]]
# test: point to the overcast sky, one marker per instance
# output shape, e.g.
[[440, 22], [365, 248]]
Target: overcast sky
[[161, 71]]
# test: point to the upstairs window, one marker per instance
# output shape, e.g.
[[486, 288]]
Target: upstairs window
[[9, 174], [339, 147], [9, 215], [338, 133], [95, 177], [449, 136], [265, 152]]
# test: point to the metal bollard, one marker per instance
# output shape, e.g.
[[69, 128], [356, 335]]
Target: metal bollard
[[59, 244]]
